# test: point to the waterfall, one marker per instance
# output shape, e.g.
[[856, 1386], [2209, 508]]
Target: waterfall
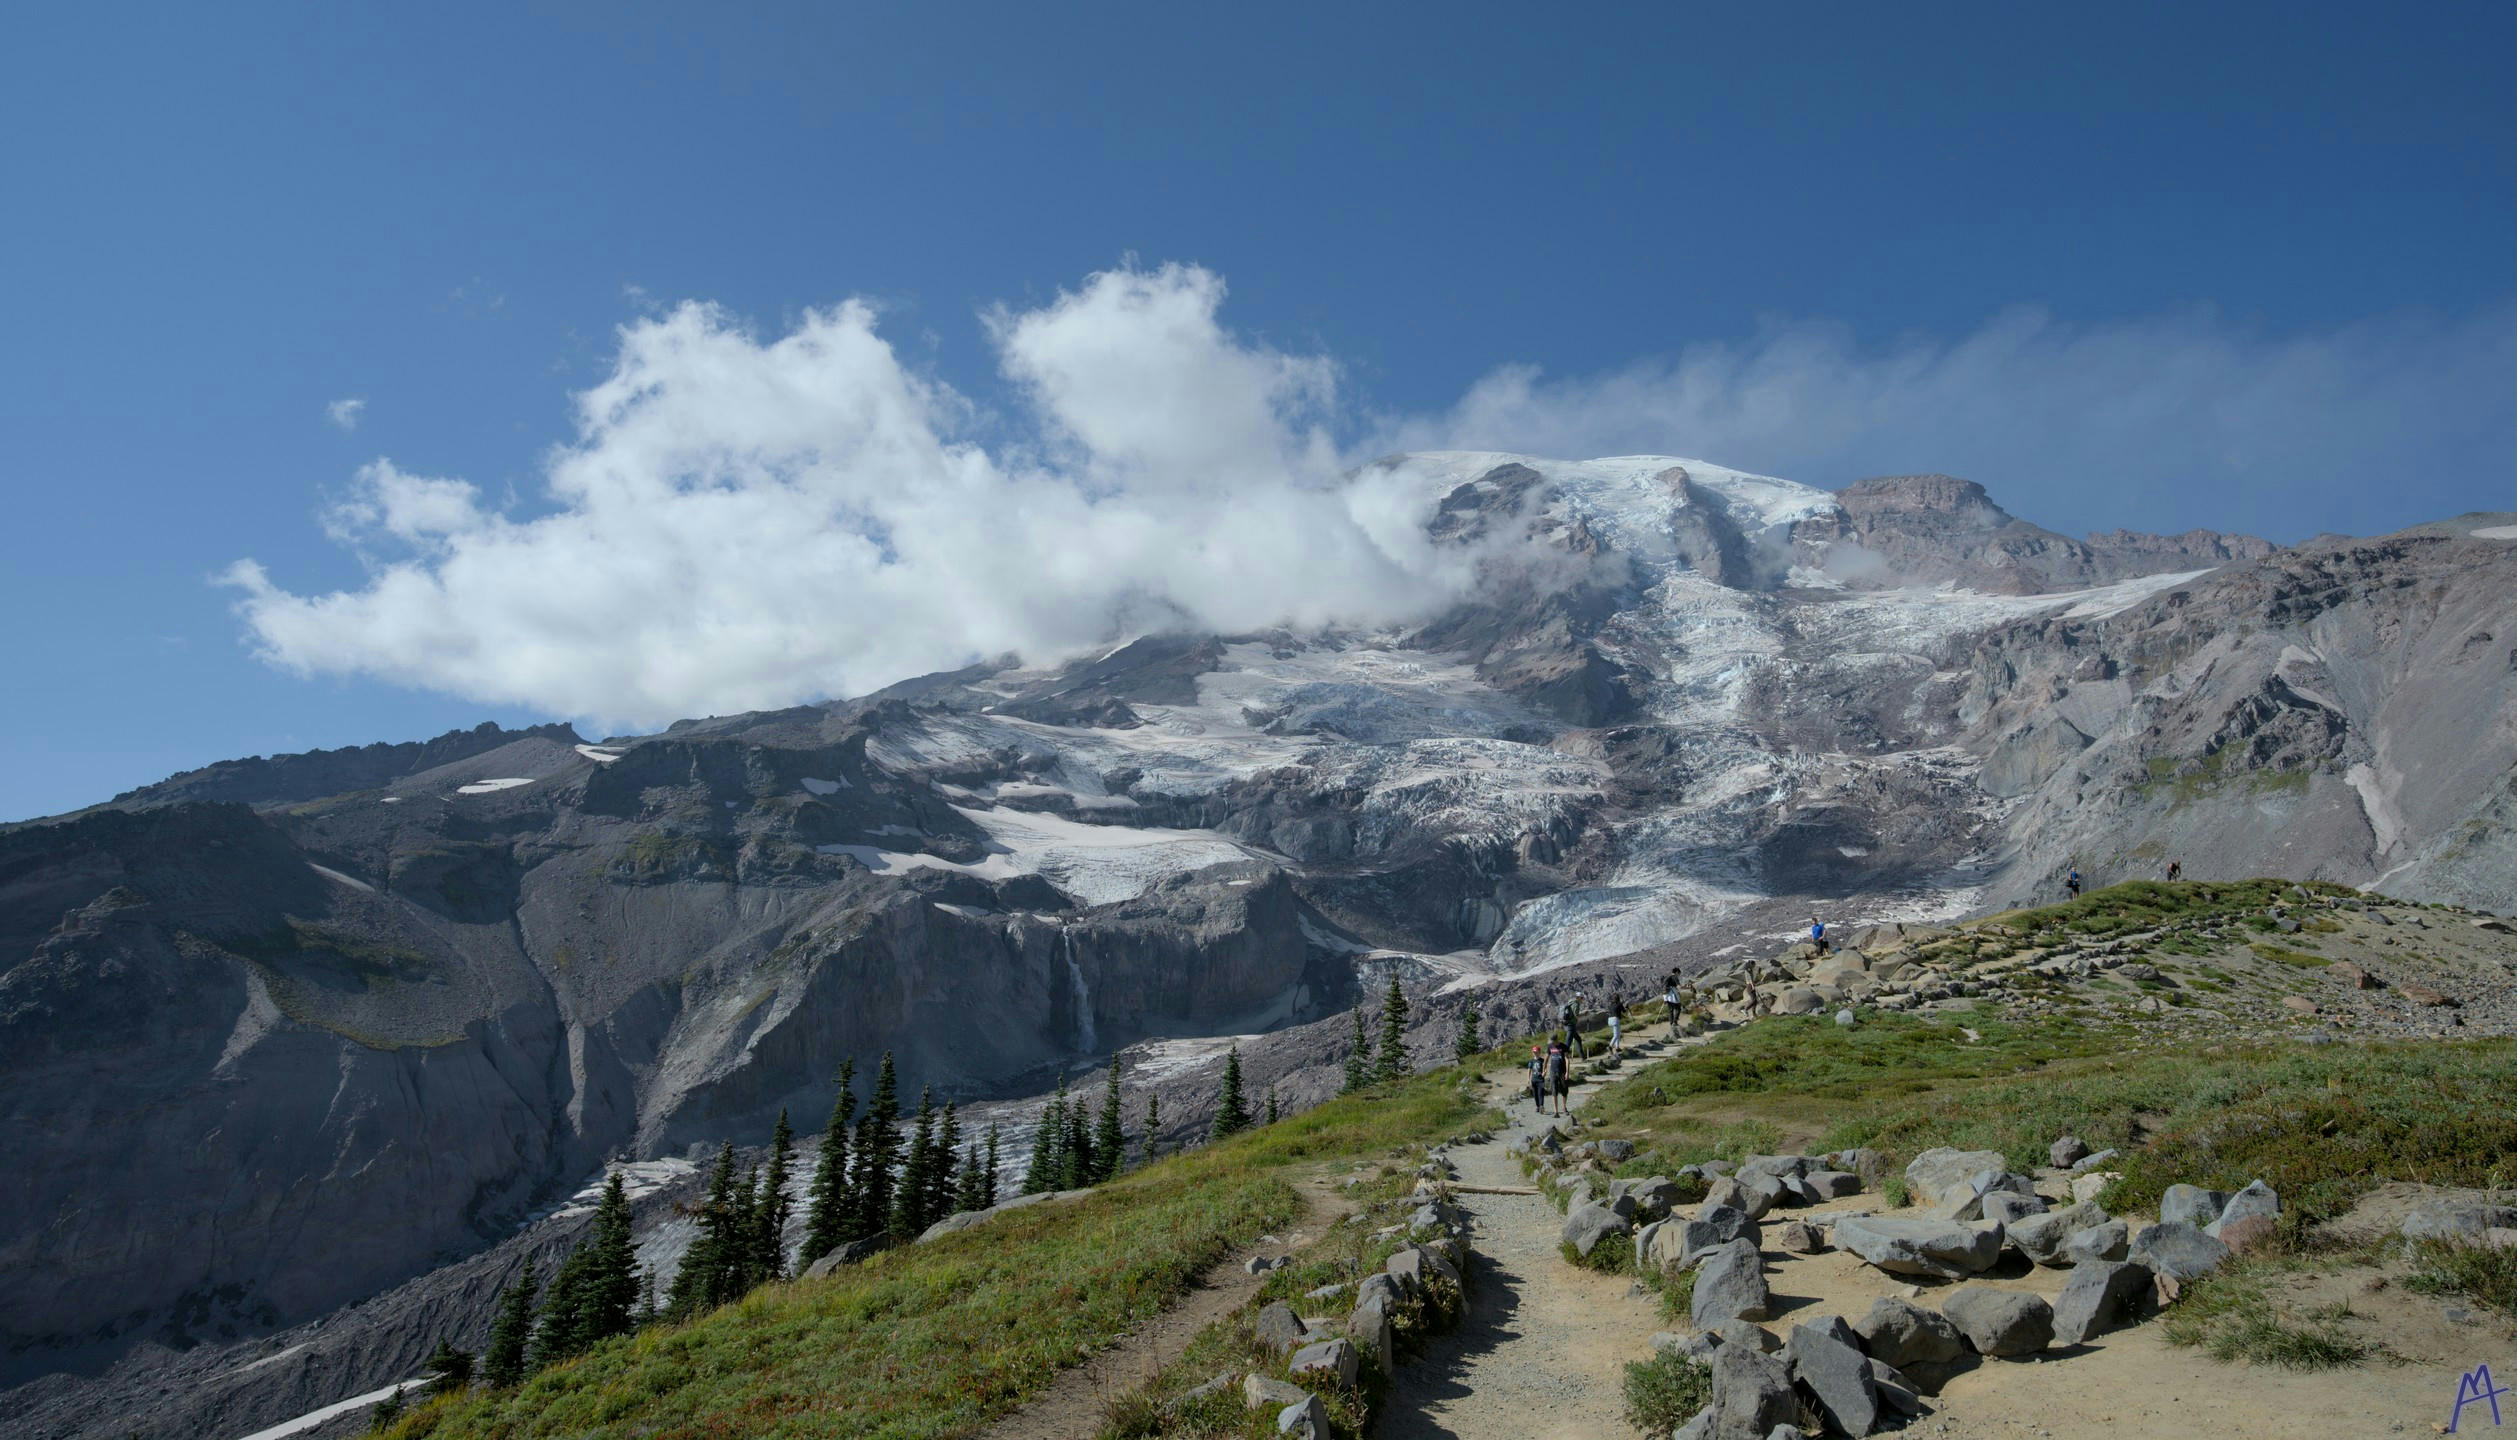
[[1078, 996]]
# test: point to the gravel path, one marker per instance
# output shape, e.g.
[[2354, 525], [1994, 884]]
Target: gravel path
[[1542, 1352]]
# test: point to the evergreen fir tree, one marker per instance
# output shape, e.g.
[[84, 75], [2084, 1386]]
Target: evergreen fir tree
[[877, 1153], [1048, 1147], [732, 1275], [970, 1189], [1109, 1137], [1271, 1104], [1077, 1163], [1358, 1059], [564, 1327], [1393, 1063], [382, 1415], [827, 1208], [1152, 1148], [769, 1221], [1469, 1044], [449, 1370], [611, 1287], [696, 1282], [908, 1208], [989, 1191], [511, 1334], [942, 1194], [1232, 1113]]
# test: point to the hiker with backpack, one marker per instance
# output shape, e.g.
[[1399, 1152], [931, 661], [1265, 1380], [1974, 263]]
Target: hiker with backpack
[[2072, 884], [1568, 1017], [2174, 869], [1559, 1073]]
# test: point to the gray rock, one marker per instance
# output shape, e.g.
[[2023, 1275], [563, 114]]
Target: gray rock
[[2001, 1323], [1844, 1019], [2456, 1220], [1730, 1285], [2191, 1205], [1936, 1172], [1833, 1184], [1306, 1419], [1800, 1238], [1371, 1327], [2256, 1202], [1752, 1393], [1786, 1432], [1618, 1151], [1279, 1329], [1586, 1224], [1263, 1392], [1869, 1164], [2178, 1249], [2006, 1207], [2101, 1293], [2067, 1152], [2091, 1162], [1743, 1332], [1896, 1393], [1326, 1362], [1920, 1247], [1779, 1165], [2110, 1241], [1216, 1386], [1904, 1334], [1382, 1289], [2040, 1236], [1764, 1192], [1654, 1195], [1698, 1428], [1716, 1225], [1827, 1362]]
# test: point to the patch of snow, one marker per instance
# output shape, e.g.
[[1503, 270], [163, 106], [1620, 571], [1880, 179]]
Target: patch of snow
[[313, 1418], [2377, 798], [2496, 532], [638, 1178], [600, 754], [491, 787], [328, 873], [824, 787], [1102, 864], [393, 800], [901, 862]]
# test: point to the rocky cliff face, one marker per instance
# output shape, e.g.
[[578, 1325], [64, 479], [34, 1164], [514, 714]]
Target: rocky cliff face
[[287, 1033]]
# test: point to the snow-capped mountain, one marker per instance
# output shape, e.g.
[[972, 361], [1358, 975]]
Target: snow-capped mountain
[[412, 993]]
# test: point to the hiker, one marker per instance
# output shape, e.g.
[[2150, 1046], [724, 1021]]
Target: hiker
[[1616, 1022], [1559, 1072], [1818, 934], [1538, 1079], [1567, 1016], [2073, 884], [2174, 869]]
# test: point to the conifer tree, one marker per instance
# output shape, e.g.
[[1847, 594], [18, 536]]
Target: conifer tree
[[734, 1276], [1048, 1146], [1109, 1137], [1271, 1104], [908, 1210], [1152, 1148], [1469, 1044], [696, 1284], [990, 1192], [449, 1370], [563, 1331], [1078, 1164], [970, 1188], [769, 1220], [1232, 1113], [828, 1210], [942, 1193], [611, 1288], [1393, 1063], [877, 1153], [511, 1334], [1358, 1059]]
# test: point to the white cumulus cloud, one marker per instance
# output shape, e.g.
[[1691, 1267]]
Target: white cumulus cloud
[[743, 523], [345, 412]]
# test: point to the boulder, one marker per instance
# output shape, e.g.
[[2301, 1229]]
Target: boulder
[[2091, 1162], [2007, 1206], [1654, 1195], [1833, 1184], [1371, 1327], [1752, 1393], [1799, 1000], [1279, 1329], [2178, 1250], [1827, 1363], [1616, 1151], [856, 1250], [2040, 1237], [1751, 1200], [1800, 1238], [1920, 1247], [2456, 1220], [1742, 1332], [2101, 1294], [1326, 1362], [2191, 1205], [2087, 1186], [1779, 1165], [2067, 1152], [1896, 1393], [2110, 1241], [1305, 1419], [1936, 1172], [1965, 1200], [1216, 1386], [2351, 975], [2420, 994], [1263, 1392], [1586, 1224], [2000, 1323], [2256, 1202], [1903, 1334], [1869, 1164], [1717, 1225], [1730, 1285], [1764, 1193]]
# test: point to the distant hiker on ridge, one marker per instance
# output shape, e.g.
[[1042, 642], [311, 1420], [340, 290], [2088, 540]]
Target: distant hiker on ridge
[[1818, 933], [2072, 884], [1566, 1016], [2174, 869], [1616, 1022]]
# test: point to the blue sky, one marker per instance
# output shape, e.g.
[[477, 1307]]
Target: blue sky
[[2246, 268]]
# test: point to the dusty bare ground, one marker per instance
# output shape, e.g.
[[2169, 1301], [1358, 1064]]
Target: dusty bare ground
[[1075, 1403]]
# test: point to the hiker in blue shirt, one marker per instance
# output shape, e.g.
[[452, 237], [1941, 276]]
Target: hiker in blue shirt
[[1818, 934]]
